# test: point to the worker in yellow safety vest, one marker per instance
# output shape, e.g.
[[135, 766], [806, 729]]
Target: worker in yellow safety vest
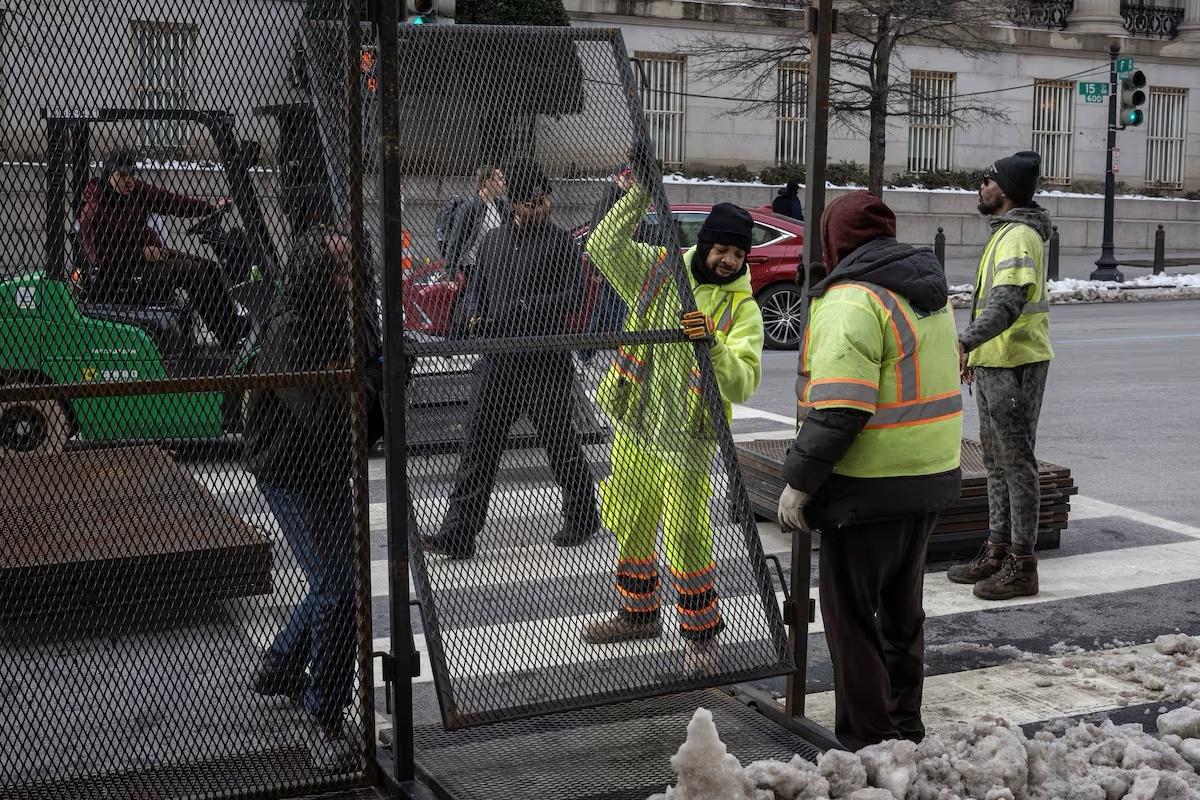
[[664, 440], [1006, 352], [875, 460]]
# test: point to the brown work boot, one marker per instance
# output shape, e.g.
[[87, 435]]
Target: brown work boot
[[620, 628], [1017, 578], [986, 563], [701, 658]]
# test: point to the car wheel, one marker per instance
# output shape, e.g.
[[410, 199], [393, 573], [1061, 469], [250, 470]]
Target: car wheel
[[38, 427], [782, 321]]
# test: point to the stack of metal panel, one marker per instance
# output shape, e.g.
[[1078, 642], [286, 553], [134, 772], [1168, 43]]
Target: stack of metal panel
[[963, 526], [114, 527]]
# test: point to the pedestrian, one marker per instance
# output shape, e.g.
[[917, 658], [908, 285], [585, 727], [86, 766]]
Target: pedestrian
[[609, 310], [664, 442], [125, 251], [876, 459], [1006, 352], [528, 279], [299, 446], [474, 218], [787, 202]]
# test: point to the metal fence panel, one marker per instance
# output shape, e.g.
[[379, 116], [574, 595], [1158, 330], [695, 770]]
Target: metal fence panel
[[579, 529], [187, 390]]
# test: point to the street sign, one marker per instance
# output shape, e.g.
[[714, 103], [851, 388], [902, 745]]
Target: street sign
[[1094, 98], [1124, 66], [1116, 151], [1093, 89]]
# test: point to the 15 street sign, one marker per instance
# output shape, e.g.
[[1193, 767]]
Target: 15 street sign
[[1124, 66], [1090, 90]]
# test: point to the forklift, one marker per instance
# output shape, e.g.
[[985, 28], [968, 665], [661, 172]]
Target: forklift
[[59, 329]]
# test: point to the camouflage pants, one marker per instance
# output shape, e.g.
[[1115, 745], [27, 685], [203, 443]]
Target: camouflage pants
[[1010, 401]]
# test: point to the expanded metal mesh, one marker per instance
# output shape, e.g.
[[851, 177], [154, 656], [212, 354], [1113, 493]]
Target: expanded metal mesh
[[189, 365], [579, 529]]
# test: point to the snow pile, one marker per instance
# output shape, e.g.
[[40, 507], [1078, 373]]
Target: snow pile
[[1074, 290], [985, 759]]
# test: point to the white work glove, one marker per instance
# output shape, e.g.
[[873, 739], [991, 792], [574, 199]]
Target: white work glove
[[791, 509]]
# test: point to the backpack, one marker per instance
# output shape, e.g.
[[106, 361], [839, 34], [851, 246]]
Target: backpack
[[444, 221]]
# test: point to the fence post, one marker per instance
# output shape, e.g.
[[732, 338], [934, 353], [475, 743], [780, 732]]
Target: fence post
[[1160, 250], [1052, 270], [939, 247]]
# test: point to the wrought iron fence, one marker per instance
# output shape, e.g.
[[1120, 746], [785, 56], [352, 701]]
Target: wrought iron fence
[[1150, 20]]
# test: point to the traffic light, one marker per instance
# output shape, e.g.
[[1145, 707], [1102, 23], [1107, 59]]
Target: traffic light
[[1133, 97], [430, 12]]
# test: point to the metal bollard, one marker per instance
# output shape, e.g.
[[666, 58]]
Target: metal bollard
[[1052, 267], [1160, 250], [939, 247]]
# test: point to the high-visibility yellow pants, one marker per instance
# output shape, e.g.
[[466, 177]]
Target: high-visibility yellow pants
[[643, 492]]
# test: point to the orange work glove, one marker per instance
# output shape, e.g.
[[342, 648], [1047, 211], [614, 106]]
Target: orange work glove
[[698, 326]]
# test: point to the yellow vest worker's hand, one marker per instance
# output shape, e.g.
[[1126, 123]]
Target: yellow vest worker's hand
[[791, 509], [698, 326]]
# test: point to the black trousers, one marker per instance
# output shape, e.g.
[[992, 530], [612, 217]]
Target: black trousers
[[207, 287], [507, 387], [871, 586]]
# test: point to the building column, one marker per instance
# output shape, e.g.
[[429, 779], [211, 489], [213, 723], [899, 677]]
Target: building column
[[1097, 16], [1189, 28]]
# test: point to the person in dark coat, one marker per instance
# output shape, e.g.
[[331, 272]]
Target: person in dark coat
[[876, 459], [787, 202], [300, 446], [475, 217], [122, 246], [527, 280]]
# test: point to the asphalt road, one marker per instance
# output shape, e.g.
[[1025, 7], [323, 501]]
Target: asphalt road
[[1122, 408]]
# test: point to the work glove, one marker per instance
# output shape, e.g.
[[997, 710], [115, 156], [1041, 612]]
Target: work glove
[[699, 327], [791, 509]]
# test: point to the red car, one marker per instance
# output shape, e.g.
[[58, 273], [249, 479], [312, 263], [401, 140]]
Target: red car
[[778, 243]]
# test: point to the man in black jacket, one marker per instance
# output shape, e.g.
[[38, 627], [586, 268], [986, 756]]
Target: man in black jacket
[[527, 280], [300, 447], [876, 459], [475, 218]]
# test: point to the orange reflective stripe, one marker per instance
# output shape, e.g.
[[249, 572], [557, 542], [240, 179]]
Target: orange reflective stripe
[[921, 412], [852, 390], [908, 379], [630, 365], [842, 403], [912, 423], [638, 568], [694, 582], [654, 284]]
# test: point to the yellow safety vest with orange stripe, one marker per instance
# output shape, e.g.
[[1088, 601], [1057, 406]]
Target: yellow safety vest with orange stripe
[[645, 385], [867, 348]]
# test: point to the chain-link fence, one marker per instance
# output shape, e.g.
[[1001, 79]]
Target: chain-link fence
[[189, 375], [579, 528]]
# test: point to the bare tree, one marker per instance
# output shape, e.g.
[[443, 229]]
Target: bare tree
[[870, 79]]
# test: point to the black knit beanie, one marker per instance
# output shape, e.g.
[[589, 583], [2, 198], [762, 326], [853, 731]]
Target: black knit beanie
[[727, 224], [1017, 176]]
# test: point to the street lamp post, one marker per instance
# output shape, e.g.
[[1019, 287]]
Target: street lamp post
[[1106, 265]]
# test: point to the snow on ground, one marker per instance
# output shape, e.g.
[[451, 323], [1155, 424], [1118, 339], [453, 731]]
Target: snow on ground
[[1074, 290], [988, 758]]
